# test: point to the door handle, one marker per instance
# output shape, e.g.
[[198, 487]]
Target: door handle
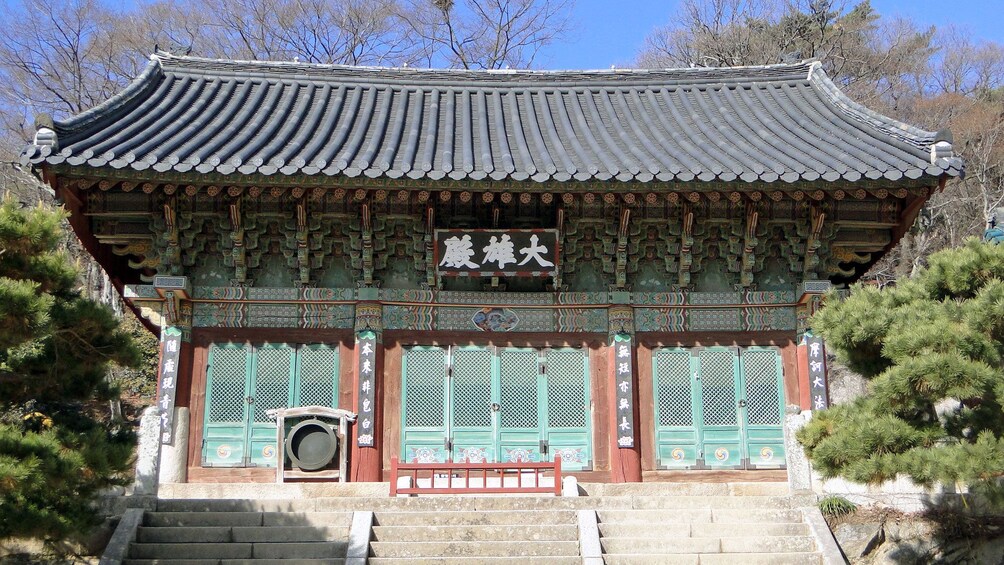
[[742, 404], [544, 445], [495, 406], [448, 444], [250, 400]]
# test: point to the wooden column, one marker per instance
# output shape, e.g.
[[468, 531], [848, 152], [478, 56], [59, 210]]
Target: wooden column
[[367, 444], [625, 439]]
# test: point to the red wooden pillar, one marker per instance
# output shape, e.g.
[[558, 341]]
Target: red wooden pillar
[[804, 400], [625, 439], [367, 441]]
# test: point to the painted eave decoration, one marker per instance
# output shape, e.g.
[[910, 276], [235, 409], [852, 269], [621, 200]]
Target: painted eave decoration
[[770, 124]]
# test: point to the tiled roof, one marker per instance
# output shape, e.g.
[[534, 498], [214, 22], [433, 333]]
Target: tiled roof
[[774, 123]]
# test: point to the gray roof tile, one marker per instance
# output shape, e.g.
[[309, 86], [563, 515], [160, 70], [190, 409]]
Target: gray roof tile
[[779, 123]]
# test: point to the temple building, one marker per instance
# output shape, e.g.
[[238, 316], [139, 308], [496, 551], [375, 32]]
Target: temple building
[[614, 268]]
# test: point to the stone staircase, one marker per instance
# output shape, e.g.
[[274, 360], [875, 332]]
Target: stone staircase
[[223, 537], [705, 524], [632, 524], [497, 536]]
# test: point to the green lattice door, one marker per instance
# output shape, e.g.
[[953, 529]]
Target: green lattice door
[[424, 437], [763, 413], [225, 430], [718, 408], [719, 432], [244, 382], [497, 405], [271, 388], [566, 397], [520, 407], [472, 396], [677, 398]]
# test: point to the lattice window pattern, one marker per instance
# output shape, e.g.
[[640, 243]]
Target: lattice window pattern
[[272, 376], [566, 388], [718, 388], [763, 406], [425, 374], [673, 387], [472, 394], [518, 388], [318, 376], [229, 374]]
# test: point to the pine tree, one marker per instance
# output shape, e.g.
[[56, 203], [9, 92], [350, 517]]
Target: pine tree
[[55, 350], [932, 348]]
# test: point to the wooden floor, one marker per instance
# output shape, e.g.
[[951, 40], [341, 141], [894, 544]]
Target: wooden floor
[[765, 476]]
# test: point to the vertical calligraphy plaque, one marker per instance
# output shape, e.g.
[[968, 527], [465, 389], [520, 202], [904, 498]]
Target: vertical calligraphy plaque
[[366, 343], [171, 352], [624, 383], [816, 354]]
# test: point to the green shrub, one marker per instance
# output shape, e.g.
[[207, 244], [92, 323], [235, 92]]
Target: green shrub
[[836, 506]]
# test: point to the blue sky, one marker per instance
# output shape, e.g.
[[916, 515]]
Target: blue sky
[[610, 32]]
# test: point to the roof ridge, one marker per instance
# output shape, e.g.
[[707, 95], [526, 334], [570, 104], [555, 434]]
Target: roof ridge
[[417, 76], [164, 56]]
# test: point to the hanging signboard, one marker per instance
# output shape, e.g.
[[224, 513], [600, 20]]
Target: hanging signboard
[[497, 253], [366, 347], [171, 338], [816, 353], [624, 377]]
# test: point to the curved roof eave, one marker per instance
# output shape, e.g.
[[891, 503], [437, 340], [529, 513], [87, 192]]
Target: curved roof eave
[[775, 123]]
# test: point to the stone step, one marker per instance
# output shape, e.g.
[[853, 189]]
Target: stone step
[[198, 519], [170, 562], [307, 550], [523, 560], [254, 534], [474, 550], [774, 544], [715, 559], [702, 530], [237, 505], [337, 561], [447, 518], [486, 503], [806, 558], [686, 489], [290, 561], [263, 491], [192, 534], [756, 516], [695, 515], [190, 551], [650, 518], [723, 502], [654, 559], [648, 546], [247, 519], [312, 519], [351, 504], [505, 532]]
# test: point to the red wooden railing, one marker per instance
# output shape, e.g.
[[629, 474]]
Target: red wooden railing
[[474, 478]]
